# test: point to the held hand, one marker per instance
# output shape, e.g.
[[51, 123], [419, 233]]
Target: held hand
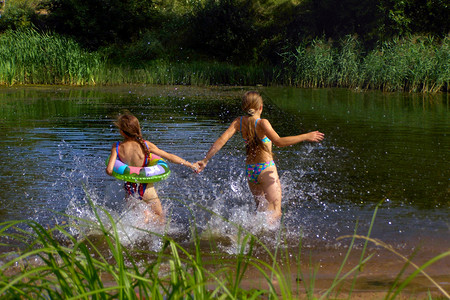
[[197, 167], [193, 167], [314, 136], [201, 165]]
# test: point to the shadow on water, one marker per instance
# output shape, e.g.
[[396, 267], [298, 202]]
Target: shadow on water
[[390, 147]]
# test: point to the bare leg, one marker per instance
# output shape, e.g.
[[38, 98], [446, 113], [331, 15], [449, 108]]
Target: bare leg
[[258, 195], [269, 187], [155, 211]]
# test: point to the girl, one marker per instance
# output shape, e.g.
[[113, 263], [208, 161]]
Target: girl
[[134, 151], [259, 136]]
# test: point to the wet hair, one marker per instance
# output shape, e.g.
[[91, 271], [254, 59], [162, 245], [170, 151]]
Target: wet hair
[[251, 102], [130, 126]]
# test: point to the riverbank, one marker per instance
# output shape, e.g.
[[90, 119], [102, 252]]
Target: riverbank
[[411, 64], [98, 265]]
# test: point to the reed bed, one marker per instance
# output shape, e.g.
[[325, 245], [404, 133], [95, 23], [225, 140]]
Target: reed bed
[[57, 265], [32, 57], [191, 73], [29, 57], [411, 64]]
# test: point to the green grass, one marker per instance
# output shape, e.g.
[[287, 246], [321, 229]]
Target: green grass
[[32, 57], [412, 64], [416, 64], [189, 73], [29, 57], [57, 265]]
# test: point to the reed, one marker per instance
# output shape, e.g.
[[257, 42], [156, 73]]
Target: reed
[[190, 73], [313, 65], [32, 57], [57, 265], [29, 57], [348, 63], [411, 64]]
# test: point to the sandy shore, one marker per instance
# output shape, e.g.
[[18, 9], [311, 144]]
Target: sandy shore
[[373, 282]]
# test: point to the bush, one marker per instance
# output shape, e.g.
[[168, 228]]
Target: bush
[[225, 30], [96, 23], [18, 14]]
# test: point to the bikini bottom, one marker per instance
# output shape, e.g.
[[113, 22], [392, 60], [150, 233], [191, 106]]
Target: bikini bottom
[[252, 172]]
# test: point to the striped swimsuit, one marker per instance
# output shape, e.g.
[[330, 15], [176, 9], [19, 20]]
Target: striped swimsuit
[[133, 188]]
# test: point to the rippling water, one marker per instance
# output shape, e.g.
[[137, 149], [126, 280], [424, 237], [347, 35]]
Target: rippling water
[[379, 147]]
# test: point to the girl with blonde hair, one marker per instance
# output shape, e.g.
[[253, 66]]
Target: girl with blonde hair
[[259, 136]]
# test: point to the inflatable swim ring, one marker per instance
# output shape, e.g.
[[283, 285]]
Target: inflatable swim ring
[[156, 170]]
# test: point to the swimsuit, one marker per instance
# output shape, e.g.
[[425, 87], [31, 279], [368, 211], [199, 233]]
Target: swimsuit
[[254, 170], [265, 140], [132, 188]]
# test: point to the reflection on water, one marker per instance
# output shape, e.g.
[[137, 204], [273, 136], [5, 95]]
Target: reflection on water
[[391, 147]]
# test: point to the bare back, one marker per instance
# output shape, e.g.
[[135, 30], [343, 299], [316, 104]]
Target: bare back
[[131, 153], [260, 156]]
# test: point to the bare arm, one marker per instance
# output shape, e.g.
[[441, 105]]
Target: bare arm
[[218, 144], [169, 156], [313, 136], [112, 161]]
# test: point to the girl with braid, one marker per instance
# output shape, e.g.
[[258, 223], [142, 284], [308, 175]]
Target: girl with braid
[[258, 135], [134, 151]]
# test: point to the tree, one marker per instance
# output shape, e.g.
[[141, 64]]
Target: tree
[[414, 17], [95, 23], [18, 14], [225, 29]]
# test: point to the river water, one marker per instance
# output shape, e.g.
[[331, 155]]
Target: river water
[[379, 148]]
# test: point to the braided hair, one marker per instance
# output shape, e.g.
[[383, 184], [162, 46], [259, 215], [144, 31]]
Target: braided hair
[[130, 126]]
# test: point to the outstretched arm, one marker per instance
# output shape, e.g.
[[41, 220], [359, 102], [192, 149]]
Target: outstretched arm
[[313, 136], [218, 144], [170, 157]]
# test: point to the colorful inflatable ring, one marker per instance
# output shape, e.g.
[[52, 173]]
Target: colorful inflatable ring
[[156, 170]]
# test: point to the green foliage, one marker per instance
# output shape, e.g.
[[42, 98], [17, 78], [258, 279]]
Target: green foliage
[[237, 31], [417, 64], [225, 29], [30, 57], [96, 23], [399, 18], [348, 61], [314, 64], [334, 19], [414, 64], [191, 73], [18, 14], [55, 264], [139, 52], [41, 58]]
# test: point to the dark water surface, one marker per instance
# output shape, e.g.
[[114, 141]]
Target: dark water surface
[[378, 147]]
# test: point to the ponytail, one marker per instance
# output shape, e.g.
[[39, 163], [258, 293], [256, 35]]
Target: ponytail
[[252, 140], [251, 102]]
